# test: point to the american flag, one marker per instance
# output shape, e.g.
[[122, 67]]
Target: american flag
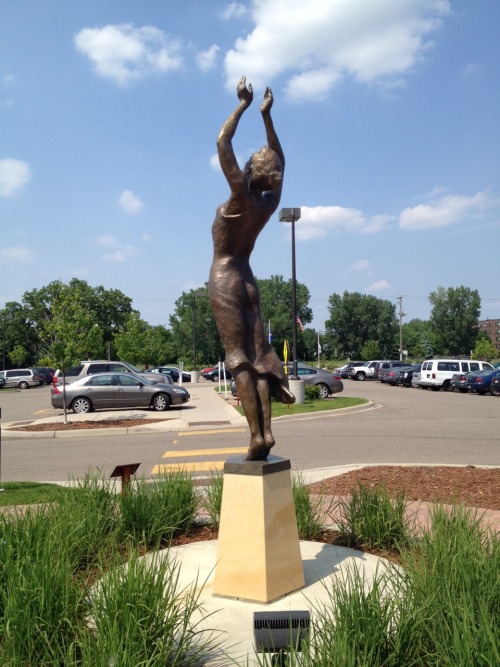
[[299, 322]]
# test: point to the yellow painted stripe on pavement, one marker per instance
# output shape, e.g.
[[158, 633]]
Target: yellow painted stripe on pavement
[[204, 452], [188, 467], [215, 431]]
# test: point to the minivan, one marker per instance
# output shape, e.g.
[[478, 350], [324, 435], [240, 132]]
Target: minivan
[[22, 378], [438, 373]]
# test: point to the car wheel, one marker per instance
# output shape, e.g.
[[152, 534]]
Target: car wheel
[[462, 390], [23, 385], [481, 392], [81, 405], [324, 390], [495, 390], [215, 377], [447, 386], [360, 376], [161, 402]]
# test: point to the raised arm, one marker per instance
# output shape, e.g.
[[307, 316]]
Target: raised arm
[[272, 137], [227, 158]]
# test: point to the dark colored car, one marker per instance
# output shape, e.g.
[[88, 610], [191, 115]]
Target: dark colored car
[[391, 375], [47, 374], [459, 381], [2, 382], [172, 371], [405, 376], [481, 382], [495, 387], [107, 391], [386, 365], [215, 373]]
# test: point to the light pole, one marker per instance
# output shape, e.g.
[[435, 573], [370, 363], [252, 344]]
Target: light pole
[[292, 215], [198, 293]]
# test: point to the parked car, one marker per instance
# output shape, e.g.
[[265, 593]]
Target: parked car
[[342, 371], [385, 365], [481, 382], [172, 371], [107, 391], [495, 386], [390, 375], [46, 373], [416, 375], [327, 382], [405, 376], [2, 382], [364, 372], [438, 373], [459, 381], [215, 373], [89, 367], [22, 378]]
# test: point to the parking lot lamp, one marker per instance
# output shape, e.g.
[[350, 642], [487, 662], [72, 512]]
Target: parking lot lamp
[[292, 215]]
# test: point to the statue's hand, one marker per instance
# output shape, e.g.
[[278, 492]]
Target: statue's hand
[[245, 94], [268, 101]]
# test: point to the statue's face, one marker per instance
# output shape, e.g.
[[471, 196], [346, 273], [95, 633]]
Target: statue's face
[[263, 171]]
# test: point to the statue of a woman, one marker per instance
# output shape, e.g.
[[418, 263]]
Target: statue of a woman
[[233, 292]]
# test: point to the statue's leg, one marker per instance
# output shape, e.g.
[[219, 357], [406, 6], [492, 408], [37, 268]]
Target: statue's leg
[[264, 393], [246, 382]]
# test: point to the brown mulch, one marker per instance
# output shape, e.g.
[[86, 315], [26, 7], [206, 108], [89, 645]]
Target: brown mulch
[[84, 425], [474, 487]]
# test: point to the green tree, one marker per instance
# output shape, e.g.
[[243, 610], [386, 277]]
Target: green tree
[[142, 344], [71, 333], [370, 350], [276, 306], [454, 317], [19, 355], [357, 318], [484, 349]]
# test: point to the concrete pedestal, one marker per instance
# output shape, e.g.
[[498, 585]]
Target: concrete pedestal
[[258, 556]]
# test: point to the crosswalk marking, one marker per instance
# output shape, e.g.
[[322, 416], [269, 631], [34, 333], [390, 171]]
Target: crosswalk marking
[[196, 466], [203, 452]]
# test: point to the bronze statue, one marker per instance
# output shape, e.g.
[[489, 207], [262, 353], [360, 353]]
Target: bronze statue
[[233, 292]]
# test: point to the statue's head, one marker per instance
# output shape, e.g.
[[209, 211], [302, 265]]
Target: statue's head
[[264, 170]]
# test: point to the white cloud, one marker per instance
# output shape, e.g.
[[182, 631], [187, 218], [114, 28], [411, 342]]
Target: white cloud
[[124, 53], [146, 237], [106, 240], [316, 43], [129, 203], [206, 60], [319, 221], [378, 286], [360, 265], [235, 10], [119, 255], [13, 175], [17, 253], [444, 211]]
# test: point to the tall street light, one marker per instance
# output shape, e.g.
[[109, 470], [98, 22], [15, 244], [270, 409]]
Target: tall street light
[[200, 294], [292, 215]]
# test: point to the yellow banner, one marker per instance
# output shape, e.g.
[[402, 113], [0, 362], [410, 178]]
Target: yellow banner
[[286, 354]]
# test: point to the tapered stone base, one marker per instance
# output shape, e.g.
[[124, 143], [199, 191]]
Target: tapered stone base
[[258, 556]]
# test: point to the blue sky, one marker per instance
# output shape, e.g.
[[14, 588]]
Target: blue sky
[[388, 113]]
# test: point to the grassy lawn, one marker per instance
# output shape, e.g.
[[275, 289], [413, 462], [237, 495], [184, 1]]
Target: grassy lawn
[[27, 493], [318, 405]]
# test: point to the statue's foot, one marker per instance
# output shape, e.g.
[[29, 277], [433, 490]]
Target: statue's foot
[[281, 393], [269, 439], [257, 453]]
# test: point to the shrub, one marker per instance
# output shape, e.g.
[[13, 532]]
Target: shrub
[[311, 392], [211, 498]]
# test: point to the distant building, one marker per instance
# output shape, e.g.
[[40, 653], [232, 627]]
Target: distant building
[[492, 328]]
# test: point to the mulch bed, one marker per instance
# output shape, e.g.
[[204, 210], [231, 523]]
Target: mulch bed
[[474, 487], [85, 425]]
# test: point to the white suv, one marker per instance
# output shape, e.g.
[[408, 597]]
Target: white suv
[[437, 373]]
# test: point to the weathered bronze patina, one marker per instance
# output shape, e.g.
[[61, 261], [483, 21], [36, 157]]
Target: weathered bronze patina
[[233, 292]]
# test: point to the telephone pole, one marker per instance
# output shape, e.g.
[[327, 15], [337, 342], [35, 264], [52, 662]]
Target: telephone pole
[[401, 315]]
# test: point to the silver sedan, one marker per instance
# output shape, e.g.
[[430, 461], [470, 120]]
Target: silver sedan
[[105, 391]]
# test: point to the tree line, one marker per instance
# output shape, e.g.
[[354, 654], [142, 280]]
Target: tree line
[[61, 324]]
